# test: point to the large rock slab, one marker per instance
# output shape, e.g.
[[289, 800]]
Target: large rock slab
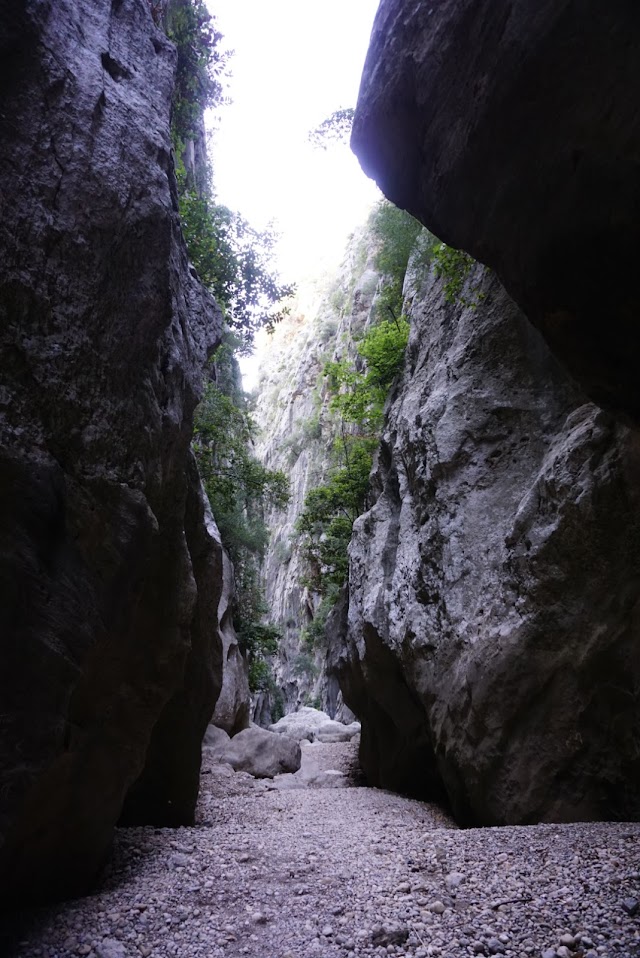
[[109, 576], [332, 732], [512, 130], [215, 739], [494, 586], [261, 753]]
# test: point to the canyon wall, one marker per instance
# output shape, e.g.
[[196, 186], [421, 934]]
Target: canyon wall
[[109, 571], [490, 646], [493, 626], [297, 434]]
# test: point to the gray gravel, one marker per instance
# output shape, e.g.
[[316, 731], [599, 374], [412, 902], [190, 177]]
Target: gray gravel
[[349, 872]]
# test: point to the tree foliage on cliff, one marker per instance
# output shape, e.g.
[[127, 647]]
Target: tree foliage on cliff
[[239, 489], [201, 65], [336, 128], [396, 232], [359, 388], [359, 384], [453, 266], [232, 259]]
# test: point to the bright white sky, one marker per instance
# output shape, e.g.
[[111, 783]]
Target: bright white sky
[[295, 62]]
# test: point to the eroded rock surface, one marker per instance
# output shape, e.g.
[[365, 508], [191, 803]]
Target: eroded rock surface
[[512, 130], [232, 708], [493, 623], [107, 569]]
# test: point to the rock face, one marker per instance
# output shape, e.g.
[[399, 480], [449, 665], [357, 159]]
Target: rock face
[[109, 575], [232, 708], [297, 436], [512, 130], [493, 626]]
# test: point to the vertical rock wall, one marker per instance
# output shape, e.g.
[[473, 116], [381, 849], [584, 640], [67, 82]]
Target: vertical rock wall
[[494, 596], [107, 572], [297, 436]]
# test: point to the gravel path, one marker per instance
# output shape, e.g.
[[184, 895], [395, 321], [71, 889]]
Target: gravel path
[[344, 872]]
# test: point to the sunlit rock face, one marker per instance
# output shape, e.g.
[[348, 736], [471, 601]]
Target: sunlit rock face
[[107, 569], [493, 626], [512, 130]]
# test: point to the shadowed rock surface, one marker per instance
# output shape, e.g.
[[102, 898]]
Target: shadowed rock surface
[[512, 130], [104, 552], [494, 615], [232, 707]]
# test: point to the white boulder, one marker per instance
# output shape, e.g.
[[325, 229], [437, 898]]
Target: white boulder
[[314, 725], [261, 753]]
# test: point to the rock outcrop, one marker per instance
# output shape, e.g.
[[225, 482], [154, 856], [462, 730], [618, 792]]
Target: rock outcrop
[[494, 613], [110, 578], [512, 130]]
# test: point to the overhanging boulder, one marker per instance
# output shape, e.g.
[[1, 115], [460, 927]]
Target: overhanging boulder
[[512, 130]]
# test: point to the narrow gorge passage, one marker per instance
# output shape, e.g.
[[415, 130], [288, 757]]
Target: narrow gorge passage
[[319, 492], [339, 872]]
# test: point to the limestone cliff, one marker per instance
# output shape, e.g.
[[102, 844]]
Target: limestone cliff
[[493, 626], [512, 130], [297, 432], [110, 575]]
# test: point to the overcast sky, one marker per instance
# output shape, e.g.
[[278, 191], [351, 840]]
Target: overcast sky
[[295, 62]]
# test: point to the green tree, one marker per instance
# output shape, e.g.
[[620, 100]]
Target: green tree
[[233, 260], [329, 512], [237, 484], [359, 387], [335, 129], [396, 232], [238, 487], [201, 65]]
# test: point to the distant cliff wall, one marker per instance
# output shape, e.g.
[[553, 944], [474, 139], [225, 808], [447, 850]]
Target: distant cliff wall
[[297, 433]]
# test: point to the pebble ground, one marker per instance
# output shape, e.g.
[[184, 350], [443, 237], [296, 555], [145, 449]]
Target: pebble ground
[[347, 873]]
